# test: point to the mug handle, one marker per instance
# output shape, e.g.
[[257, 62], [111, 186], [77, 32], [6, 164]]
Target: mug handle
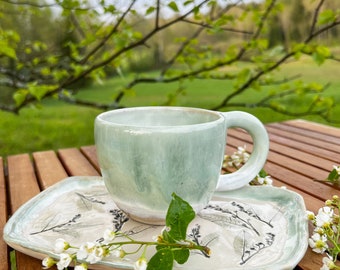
[[258, 156]]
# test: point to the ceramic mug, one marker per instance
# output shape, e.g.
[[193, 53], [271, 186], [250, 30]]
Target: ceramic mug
[[147, 153]]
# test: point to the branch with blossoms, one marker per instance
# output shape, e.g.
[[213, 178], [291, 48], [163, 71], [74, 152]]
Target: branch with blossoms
[[238, 159], [171, 245], [325, 238]]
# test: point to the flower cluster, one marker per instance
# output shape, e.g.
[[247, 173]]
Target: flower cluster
[[239, 158], [94, 252], [90, 252], [326, 234], [262, 179]]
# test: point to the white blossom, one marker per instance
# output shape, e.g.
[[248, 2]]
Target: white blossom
[[318, 243], [61, 245], [241, 151], [48, 262], [96, 255], [64, 261], [117, 251], [109, 236], [327, 263], [324, 217], [82, 266], [140, 264], [91, 252], [85, 250], [263, 180], [310, 215]]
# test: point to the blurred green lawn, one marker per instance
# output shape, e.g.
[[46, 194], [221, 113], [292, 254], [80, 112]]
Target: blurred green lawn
[[58, 125]]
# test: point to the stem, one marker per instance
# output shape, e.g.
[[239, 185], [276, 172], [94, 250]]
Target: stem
[[190, 245]]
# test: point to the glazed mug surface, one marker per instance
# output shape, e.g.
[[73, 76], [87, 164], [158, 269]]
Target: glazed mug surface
[[147, 153]]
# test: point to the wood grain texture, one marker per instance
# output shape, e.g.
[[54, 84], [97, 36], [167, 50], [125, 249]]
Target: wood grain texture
[[49, 169], [76, 163], [91, 154], [23, 186]]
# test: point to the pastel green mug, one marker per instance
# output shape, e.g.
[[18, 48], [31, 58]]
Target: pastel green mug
[[147, 153]]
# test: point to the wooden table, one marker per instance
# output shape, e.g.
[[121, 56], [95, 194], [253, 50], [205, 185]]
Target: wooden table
[[300, 151]]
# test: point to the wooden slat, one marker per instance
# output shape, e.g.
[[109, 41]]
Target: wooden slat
[[4, 254], [314, 127], [300, 182], [49, 168], [22, 187], [304, 138], [312, 134], [76, 163], [91, 154], [22, 182]]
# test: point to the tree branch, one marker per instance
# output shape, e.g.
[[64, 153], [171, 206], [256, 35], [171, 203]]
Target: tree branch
[[158, 7], [114, 30], [205, 25], [45, 5], [315, 17]]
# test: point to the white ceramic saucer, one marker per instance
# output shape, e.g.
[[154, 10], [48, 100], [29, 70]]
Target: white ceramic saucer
[[249, 228]]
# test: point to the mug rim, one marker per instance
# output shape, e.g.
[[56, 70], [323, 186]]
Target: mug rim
[[219, 117]]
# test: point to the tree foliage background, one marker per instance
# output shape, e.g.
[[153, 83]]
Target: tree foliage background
[[54, 48]]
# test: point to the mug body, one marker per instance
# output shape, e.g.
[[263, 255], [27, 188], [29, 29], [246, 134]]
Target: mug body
[[147, 153]]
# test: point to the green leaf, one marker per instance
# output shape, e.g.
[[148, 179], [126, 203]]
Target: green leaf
[[326, 16], [39, 91], [178, 217], [320, 54], [318, 58], [173, 6], [244, 75], [150, 10], [263, 173], [181, 256], [333, 176], [7, 50], [163, 259], [20, 96], [188, 2]]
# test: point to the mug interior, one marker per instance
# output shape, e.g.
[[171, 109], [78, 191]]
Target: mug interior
[[160, 116]]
